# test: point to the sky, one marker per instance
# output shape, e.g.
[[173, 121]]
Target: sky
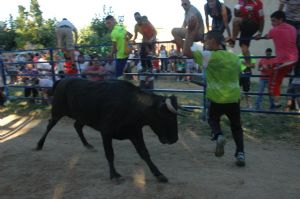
[[164, 14]]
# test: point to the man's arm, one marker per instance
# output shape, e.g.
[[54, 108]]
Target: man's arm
[[113, 49], [135, 32], [128, 36], [281, 5], [225, 20], [206, 18]]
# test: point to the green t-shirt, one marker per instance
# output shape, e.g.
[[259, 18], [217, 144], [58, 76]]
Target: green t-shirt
[[243, 66], [222, 71], [118, 35]]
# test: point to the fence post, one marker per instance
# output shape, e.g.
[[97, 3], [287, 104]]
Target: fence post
[[52, 64], [3, 76]]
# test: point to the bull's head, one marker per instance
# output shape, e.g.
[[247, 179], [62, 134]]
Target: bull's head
[[164, 119]]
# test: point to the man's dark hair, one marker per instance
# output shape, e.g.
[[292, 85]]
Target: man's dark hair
[[278, 15], [269, 50], [137, 13], [216, 35], [109, 17]]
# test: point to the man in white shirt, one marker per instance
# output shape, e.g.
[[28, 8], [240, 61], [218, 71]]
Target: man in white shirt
[[64, 37]]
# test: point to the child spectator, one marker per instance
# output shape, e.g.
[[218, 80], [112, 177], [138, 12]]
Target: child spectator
[[265, 67], [30, 80], [245, 83]]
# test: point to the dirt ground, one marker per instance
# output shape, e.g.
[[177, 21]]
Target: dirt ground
[[65, 169]]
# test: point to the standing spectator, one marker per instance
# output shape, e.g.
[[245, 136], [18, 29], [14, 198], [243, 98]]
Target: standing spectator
[[245, 83], [220, 14], [222, 71], [64, 37], [284, 37], [120, 37], [81, 63], [163, 54], [265, 66], [172, 55], [29, 81], [192, 29], [46, 80], [248, 20], [147, 30]]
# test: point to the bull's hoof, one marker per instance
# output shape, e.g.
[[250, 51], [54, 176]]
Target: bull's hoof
[[162, 179], [90, 148], [118, 180], [38, 148]]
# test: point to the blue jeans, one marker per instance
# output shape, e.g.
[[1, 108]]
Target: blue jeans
[[120, 65], [263, 83]]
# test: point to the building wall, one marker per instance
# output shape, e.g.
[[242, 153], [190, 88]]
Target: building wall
[[258, 47]]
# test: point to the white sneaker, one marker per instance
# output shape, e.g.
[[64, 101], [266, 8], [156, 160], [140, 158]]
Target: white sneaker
[[220, 146]]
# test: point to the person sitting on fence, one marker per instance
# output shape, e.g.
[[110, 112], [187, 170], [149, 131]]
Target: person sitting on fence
[[220, 14], [248, 20], [265, 66], [192, 29], [147, 30], [29, 81], [284, 37]]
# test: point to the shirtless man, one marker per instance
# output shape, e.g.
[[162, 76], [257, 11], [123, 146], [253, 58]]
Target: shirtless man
[[192, 29]]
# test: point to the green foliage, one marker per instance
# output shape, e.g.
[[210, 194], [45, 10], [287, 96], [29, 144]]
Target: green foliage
[[95, 34], [7, 38], [31, 29]]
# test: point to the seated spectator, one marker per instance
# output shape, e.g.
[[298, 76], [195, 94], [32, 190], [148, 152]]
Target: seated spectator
[[110, 69], [265, 66], [95, 70]]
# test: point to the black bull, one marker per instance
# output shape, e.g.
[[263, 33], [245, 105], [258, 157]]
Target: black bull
[[118, 110]]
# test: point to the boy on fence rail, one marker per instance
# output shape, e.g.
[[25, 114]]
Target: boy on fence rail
[[284, 37], [222, 70]]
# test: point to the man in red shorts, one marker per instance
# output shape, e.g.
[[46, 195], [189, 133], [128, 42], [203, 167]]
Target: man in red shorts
[[284, 37], [249, 19]]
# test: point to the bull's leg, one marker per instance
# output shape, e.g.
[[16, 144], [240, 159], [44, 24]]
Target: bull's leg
[[78, 126], [109, 153], [51, 124], [140, 147]]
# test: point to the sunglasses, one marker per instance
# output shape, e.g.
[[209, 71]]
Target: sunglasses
[[184, 4]]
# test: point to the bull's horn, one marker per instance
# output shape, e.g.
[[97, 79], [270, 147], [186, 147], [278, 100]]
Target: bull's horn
[[170, 106], [185, 109]]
